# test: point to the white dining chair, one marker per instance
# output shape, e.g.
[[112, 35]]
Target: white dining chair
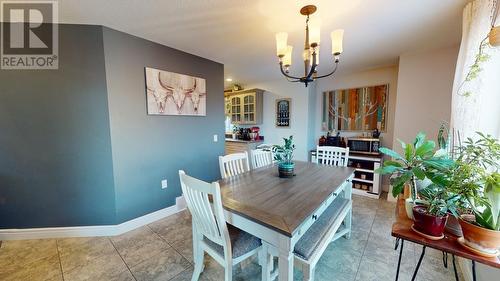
[[332, 155], [233, 164], [261, 158], [227, 244]]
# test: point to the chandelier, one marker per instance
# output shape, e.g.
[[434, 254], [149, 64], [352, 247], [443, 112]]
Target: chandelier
[[311, 50]]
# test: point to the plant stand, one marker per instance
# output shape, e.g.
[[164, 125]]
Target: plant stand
[[402, 231]]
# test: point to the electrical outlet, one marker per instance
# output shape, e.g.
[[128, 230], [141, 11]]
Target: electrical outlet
[[216, 138], [164, 184]]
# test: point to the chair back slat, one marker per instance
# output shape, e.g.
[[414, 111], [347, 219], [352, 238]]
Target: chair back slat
[[261, 158], [208, 218], [233, 164], [332, 155]]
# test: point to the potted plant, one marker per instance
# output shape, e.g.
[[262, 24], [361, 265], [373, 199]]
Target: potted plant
[[283, 154], [475, 178], [420, 162], [431, 217]]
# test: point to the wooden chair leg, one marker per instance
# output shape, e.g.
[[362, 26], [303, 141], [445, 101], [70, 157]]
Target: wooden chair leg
[[228, 271], [348, 223], [308, 272], [198, 265], [198, 255], [265, 261]]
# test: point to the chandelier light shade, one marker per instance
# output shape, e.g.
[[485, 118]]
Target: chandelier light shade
[[281, 44], [287, 58], [310, 54], [337, 37]]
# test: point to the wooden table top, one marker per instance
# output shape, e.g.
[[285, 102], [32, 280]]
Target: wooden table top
[[401, 229], [282, 204]]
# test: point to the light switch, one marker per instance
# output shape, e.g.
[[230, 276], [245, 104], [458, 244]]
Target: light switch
[[164, 184], [216, 138]]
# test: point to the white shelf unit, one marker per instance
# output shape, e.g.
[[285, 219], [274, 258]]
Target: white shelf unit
[[370, 164]]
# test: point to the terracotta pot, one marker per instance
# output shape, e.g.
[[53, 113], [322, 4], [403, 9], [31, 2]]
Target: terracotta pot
[[453, 226], [479, 238], [428, 224]]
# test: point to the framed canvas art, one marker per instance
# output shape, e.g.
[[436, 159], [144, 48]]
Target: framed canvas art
[[355, 109], [170, 93]]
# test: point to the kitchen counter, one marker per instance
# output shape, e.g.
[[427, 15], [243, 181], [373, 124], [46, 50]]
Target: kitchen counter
[[236, 146], [244, 141]]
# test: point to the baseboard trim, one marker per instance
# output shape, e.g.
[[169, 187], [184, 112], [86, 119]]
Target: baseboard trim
[[91, 231]]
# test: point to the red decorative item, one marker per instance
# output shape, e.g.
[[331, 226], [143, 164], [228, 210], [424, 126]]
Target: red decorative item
[[256, 131], [428, 224]]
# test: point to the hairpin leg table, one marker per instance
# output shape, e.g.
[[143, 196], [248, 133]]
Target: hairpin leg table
[[401, 230]]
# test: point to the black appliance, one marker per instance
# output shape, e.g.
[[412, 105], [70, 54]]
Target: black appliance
[[364, 145]]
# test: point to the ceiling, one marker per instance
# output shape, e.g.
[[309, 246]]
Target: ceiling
[[240, 33]]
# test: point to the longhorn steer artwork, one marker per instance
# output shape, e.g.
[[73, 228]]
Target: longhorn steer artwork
[[170, 93]]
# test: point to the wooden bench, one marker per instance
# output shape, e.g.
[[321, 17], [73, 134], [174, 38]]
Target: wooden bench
[[321, 231], [314, 242]]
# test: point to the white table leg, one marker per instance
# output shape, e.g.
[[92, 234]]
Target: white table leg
[[285, 259], [285, 266]]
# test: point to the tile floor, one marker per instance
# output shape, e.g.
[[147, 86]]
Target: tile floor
[[162, 251]]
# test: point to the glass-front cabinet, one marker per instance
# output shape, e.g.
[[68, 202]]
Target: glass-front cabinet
[[244, 107], [235, 109]]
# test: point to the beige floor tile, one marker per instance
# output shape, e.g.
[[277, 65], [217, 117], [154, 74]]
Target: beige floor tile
[[105, 267], [376, 270], [185, 248], [174, 228], [77, 252], [21, 252], [368, 255], [342, 263], [139, 245], [39, 270], [163, 266], [356, 243]]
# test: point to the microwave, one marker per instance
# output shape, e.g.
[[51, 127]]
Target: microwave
[[364, 145]]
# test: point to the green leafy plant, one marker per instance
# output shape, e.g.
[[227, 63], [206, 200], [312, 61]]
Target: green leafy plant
[[475, 178], [439, 201], [420, 161], [475, 69], [284, 153]]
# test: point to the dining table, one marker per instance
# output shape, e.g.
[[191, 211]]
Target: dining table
[[280, 210]]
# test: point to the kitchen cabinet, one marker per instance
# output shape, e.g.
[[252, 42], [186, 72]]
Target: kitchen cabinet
[[244, 107], [236, 146]]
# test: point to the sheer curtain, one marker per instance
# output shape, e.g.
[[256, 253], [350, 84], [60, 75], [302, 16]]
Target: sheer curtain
[[479, 111]]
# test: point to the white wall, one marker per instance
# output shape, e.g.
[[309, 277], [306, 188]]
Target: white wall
[[425, 82], [299, 114]]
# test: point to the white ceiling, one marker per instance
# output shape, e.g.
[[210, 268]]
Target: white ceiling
[[240, 33]]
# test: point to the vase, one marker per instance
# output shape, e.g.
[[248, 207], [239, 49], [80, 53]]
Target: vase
[[285, 170], [484, 240], [428, 224], [409, 204], [453, 226]]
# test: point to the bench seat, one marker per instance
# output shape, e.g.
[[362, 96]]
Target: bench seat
[[309, 242]]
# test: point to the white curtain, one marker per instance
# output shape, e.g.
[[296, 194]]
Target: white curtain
[[481, 110]]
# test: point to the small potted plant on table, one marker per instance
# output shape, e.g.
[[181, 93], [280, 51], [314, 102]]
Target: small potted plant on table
[[475, 178], [284, 155], [431, 217], [420, 162]]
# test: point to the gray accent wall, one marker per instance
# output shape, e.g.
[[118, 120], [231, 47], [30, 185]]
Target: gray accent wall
[[149, 148], [77, 147], [55, 146]]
